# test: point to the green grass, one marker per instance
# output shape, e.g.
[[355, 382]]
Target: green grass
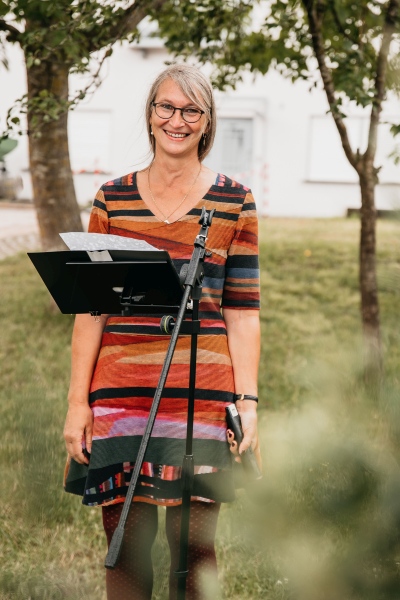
[[325, 522]]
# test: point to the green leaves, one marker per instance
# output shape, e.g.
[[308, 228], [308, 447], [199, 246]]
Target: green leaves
[[212, 30], [223, 33], [66, 30], [13, 123], [395, 129], [393, 75], [62, 33]]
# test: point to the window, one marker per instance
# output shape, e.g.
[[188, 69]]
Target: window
[[326, 161], [232, 153]]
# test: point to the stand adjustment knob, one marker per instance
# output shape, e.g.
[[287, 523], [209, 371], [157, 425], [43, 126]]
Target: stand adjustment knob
[[167, 324], [183, 273]]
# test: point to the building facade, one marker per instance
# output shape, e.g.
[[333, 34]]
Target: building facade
[[273, 136]]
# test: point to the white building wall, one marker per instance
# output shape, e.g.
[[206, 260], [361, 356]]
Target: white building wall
[[291, 136]]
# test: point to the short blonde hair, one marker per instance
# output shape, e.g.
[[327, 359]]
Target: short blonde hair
[[199, 91]]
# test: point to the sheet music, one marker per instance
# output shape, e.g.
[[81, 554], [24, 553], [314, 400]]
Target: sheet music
[[102, 241]]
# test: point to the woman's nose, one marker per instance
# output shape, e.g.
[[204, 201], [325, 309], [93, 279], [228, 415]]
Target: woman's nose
[[177, 119]]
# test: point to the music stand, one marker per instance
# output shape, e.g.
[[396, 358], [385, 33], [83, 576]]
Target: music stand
[[126, 284], [144, 281]]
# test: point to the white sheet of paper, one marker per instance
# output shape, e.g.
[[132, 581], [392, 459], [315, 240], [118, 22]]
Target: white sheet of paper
[[102, 241]]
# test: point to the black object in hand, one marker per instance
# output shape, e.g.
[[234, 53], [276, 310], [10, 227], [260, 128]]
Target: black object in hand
[[248, 459]]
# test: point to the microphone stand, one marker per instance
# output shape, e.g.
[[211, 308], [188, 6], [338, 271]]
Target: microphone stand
[[191, 277]]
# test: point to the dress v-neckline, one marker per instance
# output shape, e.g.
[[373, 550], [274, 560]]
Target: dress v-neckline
[[165, 221]]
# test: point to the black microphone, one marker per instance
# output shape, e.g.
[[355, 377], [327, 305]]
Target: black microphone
[[248, 459]]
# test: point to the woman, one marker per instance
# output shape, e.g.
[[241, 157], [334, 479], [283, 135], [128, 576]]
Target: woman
[[116, 362]]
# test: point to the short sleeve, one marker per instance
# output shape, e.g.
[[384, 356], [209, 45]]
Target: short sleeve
[[98, 222], [242, 272]]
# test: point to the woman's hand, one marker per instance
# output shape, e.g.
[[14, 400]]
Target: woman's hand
[[243, 328], [78, 429], [247, 410], [86, 341]]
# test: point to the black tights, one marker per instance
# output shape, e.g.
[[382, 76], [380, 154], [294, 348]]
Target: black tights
[[132, 578]]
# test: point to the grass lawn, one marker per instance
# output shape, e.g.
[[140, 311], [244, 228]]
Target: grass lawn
[[325, 522]]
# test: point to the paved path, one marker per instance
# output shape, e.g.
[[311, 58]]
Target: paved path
[[19, 229]]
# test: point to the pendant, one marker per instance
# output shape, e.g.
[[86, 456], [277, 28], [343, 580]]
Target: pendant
[[167, 222]]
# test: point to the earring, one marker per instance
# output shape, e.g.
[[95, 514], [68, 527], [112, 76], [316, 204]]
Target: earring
[[151, 131], [204, 138]]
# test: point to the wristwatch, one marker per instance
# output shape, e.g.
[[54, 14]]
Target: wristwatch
[[245, 397]]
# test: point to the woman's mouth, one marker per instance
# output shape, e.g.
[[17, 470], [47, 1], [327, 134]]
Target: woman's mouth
[[176, 136]]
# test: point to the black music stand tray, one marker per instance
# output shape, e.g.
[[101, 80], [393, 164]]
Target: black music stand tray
[[139, 282]]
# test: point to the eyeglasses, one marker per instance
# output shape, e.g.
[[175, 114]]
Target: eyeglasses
[[166, 111]]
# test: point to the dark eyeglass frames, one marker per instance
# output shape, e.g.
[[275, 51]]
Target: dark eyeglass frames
[[166, 111]]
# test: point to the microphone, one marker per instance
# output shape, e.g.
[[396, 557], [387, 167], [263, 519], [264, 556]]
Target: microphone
[[248, 459]]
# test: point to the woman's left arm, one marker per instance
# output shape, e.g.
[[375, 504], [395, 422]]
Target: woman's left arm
[[243, 329]]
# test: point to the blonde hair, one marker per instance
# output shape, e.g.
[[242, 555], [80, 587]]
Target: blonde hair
[[199, 91]]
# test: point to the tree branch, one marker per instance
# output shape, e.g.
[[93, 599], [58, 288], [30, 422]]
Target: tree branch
[[129, 21], [326, 75], [391, 16], [339, 25], [12, 33]]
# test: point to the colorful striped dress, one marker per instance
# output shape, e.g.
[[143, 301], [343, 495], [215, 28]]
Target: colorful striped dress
[[133, 350]]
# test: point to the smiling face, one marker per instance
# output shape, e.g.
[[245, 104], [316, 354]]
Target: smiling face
[[174, 136]]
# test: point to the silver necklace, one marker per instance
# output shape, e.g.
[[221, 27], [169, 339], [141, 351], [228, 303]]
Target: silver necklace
[[165, 220]]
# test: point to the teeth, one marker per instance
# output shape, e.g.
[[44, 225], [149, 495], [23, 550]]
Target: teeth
[[177, 135]]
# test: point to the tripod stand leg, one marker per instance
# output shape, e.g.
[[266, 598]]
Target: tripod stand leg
[[187, 469]]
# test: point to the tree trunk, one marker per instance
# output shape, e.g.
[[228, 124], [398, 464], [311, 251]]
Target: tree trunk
[[53, 187], [368, 279]]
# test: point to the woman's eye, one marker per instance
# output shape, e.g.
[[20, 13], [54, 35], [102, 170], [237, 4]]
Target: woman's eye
[[167, 106], [192, 111]]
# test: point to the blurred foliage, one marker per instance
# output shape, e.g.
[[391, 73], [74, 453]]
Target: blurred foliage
[[208, 30], [240, 35], [64, 30], [234, 35], [78, 35], [327, 512], [339, 44]]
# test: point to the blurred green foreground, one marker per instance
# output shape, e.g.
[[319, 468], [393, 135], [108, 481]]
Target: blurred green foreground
[[325, 522]]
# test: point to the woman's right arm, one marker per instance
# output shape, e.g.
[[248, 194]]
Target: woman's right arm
[[86, 340]]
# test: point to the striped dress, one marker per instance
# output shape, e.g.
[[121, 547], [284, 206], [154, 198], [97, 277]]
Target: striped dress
[[133, 350]]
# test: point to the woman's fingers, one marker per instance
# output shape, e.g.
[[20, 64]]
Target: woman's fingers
[[251, 441], [250, 436], [249, 428], [75, 451], [78, 432], [89, 437], [233, 446], [232, 442]]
